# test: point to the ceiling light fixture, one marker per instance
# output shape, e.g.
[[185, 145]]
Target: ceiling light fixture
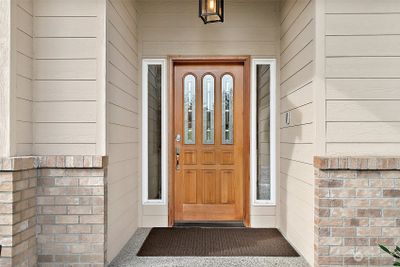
[[211, 11]]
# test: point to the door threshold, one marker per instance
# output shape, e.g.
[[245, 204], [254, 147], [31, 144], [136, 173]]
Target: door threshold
[[210, 224]]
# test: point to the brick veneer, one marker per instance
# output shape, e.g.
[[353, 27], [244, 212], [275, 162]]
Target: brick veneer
[[357, 206], [53, 211], [18, 218]]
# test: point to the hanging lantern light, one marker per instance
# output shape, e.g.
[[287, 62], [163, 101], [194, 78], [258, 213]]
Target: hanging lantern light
[[211, 11]]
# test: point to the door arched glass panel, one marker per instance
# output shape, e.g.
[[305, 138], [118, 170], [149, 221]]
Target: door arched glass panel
[[227, 109], [190, 109], [208, 110]]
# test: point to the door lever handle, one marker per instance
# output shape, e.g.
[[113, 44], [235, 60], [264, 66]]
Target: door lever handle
[[177, 157]]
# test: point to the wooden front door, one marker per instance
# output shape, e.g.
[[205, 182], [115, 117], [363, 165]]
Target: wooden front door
[[210, 141]]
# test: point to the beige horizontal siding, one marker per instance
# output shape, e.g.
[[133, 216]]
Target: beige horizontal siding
[[297, 169], [294, 218], [363, 46], [57, 133], [24, 75], [298, 80], [297, 139], [303, 18], [66, 8], [362, 24], [298, 98], [123, 123], [173, 28], [362, 77], [303, 153], [67, 69], [357, 110], [65, 48], [365, 132], [212, 48], [71, 90], [372, 89], [363, 67], [300, 115], [362, 148], [362, 6], [65, 111], [64, 149], [299, 43], [67, 82], [301, 134], [73, 27]]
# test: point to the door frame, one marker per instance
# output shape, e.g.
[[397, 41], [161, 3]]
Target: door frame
[[245, 60]]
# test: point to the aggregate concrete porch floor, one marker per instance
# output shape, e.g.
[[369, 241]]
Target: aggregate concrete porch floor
[[127, 257]]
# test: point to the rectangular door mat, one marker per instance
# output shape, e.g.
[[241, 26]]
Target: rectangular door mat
[[211, 242]]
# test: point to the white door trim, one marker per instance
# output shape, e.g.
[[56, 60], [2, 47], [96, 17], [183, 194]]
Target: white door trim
[[253, 133]]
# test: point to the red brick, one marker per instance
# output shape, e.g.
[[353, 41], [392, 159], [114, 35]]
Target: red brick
[[79, 210], [369, 213], [330, 260], [391, 193], [356, 261], [330, 203], [369, 231], [79, 229], [356, 241], [67, 219], [91, 219], [344, 231], [372, 192]]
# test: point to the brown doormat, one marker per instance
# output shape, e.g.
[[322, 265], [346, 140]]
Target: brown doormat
[[216, 242]]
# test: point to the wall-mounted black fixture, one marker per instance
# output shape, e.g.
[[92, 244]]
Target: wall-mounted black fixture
[[211, 11]]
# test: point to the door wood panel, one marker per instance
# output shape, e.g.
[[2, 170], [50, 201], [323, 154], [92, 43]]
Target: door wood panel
[[189, 190], [211, 183]]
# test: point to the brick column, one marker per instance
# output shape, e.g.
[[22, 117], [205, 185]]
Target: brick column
[[71, 214], [18, 212], [53, 211], [357, 206]]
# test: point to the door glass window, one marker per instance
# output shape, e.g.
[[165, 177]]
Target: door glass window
[[190, 109], [227, 109], [208, 110]]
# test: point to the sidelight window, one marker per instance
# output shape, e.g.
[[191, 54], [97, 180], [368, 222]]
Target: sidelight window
[[263, 136], [153, 128]]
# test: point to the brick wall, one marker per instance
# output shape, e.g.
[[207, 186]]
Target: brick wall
[[357, 206], [52, 211], [18, 212]]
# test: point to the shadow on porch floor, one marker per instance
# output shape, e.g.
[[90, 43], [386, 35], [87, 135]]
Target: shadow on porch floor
[[127, 257]]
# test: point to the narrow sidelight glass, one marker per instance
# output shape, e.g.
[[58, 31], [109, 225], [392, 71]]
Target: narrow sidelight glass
[[208, 110], [227, 109], [190, 109], [154, 132], [263, 133]]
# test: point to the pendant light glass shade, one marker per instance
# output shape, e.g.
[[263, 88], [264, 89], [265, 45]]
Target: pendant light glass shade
[[211, 11]]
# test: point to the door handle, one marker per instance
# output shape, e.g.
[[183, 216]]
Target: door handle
[[177, 157]]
